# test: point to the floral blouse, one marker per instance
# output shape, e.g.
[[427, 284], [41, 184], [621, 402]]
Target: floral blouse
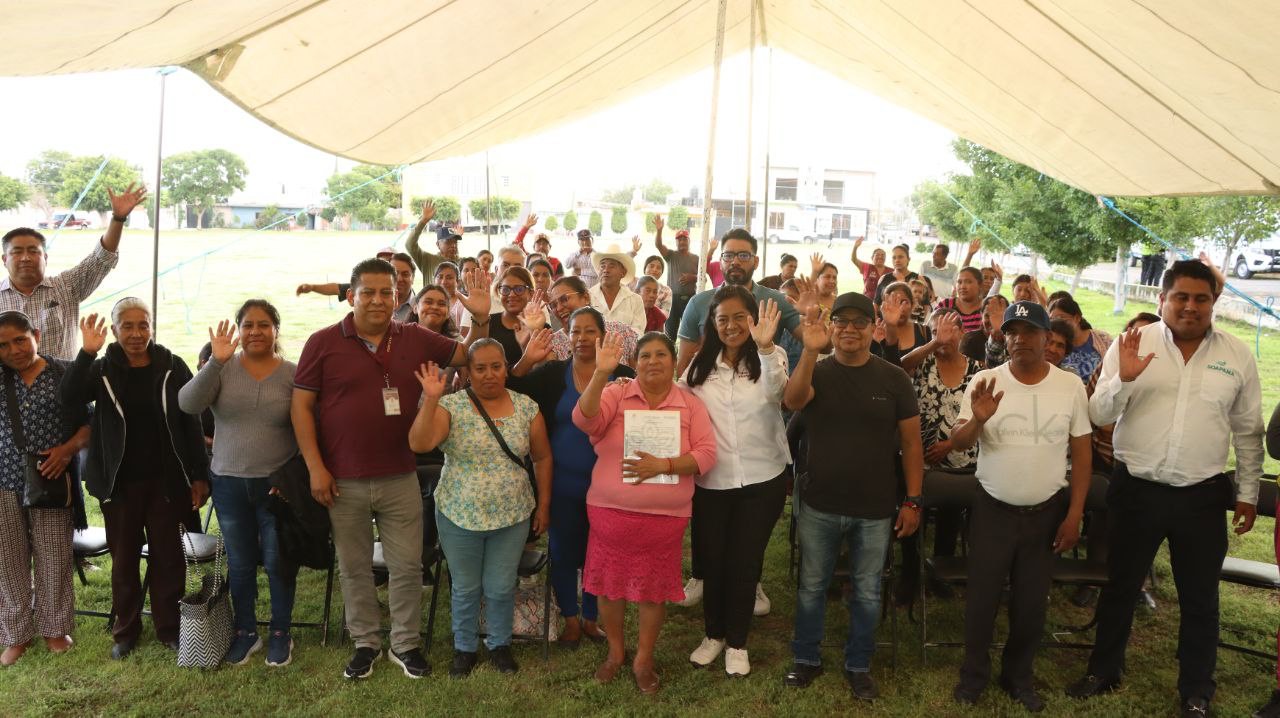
[[939, 408], [481, 488]]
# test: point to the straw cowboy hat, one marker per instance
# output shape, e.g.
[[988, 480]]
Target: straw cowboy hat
[[615, 253]]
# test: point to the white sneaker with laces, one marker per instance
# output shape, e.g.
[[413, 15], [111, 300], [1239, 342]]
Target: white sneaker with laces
[[735, 662], [692, 593], [706, 653], [763, 604]]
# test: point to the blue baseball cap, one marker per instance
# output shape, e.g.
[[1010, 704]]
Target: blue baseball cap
[[1030, 312]]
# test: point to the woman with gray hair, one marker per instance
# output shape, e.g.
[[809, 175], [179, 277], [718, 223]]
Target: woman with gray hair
[[147, 463]]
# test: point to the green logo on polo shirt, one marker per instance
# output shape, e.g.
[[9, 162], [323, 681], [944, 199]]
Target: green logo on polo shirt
[[1221, 365]]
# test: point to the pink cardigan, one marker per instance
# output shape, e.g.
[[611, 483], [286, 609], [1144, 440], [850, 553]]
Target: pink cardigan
[[697, 437]]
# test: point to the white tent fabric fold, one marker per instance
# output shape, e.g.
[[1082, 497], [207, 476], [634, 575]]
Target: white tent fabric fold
[[1112, 96]]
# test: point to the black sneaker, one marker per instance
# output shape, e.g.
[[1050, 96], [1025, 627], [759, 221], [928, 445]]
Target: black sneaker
[[1271, 709], [1091, 686], [801, 675], [502, 660], [412, 661], [1026, 696], [1195, 708], [463, 663], [361, 664], [122, 649], [864, 689], [966, 695]]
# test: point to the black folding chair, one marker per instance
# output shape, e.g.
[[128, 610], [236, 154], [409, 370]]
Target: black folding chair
[[1254, 574], [90, 543]]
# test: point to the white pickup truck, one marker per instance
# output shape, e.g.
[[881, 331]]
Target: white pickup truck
[[1257, 257]]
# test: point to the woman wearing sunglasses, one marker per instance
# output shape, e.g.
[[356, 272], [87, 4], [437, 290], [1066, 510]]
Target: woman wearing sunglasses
[[509, 327]]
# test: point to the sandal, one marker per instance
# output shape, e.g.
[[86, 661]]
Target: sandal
[[647, 680], [608, 671]]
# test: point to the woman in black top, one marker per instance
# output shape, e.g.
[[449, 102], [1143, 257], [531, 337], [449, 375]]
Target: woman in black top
[[510, 327], [900, 333], [901, 258]]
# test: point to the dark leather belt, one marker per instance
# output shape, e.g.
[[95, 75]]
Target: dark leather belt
[[1032, 509]]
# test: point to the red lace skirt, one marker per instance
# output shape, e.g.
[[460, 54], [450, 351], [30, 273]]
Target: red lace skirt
[[633, 556]]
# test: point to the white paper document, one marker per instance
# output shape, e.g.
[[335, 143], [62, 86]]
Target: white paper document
[[654, 432]]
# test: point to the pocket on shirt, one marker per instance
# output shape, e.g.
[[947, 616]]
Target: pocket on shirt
[[1219, 388]]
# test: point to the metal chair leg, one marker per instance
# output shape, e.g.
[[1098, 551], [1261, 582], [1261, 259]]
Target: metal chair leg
[[438, 583], [328, 604], [546, 612]]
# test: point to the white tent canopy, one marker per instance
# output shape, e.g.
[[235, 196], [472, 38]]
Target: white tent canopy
[[1112, 96]]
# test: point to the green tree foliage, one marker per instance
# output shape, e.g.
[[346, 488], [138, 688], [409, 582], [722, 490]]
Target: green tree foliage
[[77, 173], [619, 195], [448, 209], [649, 225], [618, 221], [12, 193], [328, 214], [570, 221], [388, 181], [44, 172], [268, 216], [1229, 221], [595, 223], [656, 191], [356, 194], [202, 178], [678, 218], [504, 209], [552, 224]]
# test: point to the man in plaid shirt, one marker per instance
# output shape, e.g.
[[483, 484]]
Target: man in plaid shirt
[[53, 303]]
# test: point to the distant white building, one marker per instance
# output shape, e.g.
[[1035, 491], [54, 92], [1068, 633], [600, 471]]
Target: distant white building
[[812, 202], [464, 180]]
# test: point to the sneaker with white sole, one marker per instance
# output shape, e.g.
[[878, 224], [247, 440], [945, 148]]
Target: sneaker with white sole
[[279, 649], [763, 604], [243, 645], [735, 662], [706, 653], [361, 663], [412, 662], [692, 593]]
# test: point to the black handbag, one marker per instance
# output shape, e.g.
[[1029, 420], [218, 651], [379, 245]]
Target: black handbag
[[37, 491]]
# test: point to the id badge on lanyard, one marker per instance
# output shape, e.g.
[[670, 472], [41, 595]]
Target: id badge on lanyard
[[390, 394]]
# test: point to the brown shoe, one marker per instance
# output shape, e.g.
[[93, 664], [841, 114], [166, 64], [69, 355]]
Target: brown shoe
[[608, 671], [647, 679], [571, 636], [13, 653], [593, 632], [59, 644]]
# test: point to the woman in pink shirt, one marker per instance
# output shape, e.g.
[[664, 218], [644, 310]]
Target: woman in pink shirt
[[637, 520]]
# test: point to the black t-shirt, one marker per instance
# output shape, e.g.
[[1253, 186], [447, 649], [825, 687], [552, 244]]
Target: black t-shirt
[[852, 425], [148, 450], [506, 337]]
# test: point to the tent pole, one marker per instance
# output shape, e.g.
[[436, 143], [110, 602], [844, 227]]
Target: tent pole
[[155, 225], [488, 207], [708, 219], [751, 108], [768, 145]]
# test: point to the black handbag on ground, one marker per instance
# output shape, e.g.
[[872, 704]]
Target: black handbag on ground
[[37, 491]]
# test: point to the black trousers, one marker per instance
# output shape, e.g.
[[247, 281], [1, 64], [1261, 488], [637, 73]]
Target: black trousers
[[678, 303], [734, 530], [1018, 546], [1142, 514]]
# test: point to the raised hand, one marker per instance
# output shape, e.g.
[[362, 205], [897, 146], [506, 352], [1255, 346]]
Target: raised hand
[[224, 341], [658, 223], [985, 400], [477, 299], [1131, 363], [895, 308], [122, 204], [608, 352], [532, 315], [815, 331], [428, 211], [432, 380], [950, 330], [305, 288], [93, 333], [530, 221], [974, 245], [539, 347], [764, 330], [635, 245], [858, 242], [997, 269], [816, 260], [808, 293], [879, 333]]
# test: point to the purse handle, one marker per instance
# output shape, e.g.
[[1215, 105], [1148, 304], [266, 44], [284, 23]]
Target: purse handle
[[11, 405], [218, 554], [475, 401]]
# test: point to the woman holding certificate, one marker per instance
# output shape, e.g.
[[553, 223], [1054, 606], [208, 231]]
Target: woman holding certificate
[[640, 500], [739, 375]]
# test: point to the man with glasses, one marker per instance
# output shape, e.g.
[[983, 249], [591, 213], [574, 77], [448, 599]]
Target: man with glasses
[[860, 412], [53, 303], [570, 293], [739, 260]]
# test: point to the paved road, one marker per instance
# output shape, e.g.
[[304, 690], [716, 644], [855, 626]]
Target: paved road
[[1260, 287]]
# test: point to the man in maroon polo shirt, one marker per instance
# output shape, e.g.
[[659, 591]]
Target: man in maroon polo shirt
[[354, 399]]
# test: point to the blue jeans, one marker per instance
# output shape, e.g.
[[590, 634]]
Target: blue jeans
[[821, 535], [568, 543], [249, 532], [482, 563]]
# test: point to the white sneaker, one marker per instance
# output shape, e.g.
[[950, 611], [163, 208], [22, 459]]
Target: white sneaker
[[762, 604], [736, 663], [692, 593], [706, 653]]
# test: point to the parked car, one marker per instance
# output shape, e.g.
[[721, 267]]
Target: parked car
[[71, 222], [791, 234], [1257, 257]]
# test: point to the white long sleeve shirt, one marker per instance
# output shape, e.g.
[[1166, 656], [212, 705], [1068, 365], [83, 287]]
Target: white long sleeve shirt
[[628, 307], [1175, 421], [751, 440]]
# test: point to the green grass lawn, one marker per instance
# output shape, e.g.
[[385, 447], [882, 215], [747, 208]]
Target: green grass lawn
[[84, 682]]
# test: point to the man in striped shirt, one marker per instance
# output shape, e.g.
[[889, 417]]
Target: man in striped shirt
[[53, 303]]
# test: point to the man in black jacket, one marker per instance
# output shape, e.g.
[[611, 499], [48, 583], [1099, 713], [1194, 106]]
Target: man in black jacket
[[147, 464]]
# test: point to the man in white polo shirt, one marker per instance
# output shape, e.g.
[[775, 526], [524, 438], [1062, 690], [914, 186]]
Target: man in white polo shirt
[[1027, 416], [1180, 392]]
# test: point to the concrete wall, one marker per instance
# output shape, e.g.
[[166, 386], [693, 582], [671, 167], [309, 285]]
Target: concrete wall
[[1229, 306]]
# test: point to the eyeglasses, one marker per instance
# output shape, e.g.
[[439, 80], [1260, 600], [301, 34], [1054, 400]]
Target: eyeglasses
[[562, 299], [517, 290], [857, 322], [726, 257]]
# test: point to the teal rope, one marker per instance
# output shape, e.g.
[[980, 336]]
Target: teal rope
[[977, 221], [92, 181], [237, 240]]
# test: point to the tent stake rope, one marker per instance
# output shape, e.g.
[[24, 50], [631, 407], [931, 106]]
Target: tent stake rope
[[708, 219], [76, 205]]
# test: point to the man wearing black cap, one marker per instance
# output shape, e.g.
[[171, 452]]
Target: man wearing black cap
[[860, 412], [580, 261], [446, 241], [1024, 416]]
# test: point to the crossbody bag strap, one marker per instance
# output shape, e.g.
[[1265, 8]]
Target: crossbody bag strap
[[475, 401], [11, 403]]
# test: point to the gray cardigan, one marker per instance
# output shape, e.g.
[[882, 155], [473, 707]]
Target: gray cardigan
[[254, 435]]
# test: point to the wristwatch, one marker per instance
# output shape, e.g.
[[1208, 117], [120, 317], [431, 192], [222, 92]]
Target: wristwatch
[[118, 218], [912, 502]]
